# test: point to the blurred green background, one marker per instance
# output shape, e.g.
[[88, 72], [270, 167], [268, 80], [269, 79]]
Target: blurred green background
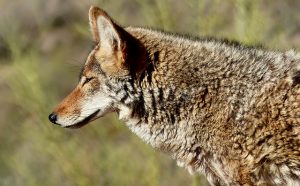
[[42, 46]]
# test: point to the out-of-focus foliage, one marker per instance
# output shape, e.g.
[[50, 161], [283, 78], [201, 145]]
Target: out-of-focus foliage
[[43, 44]]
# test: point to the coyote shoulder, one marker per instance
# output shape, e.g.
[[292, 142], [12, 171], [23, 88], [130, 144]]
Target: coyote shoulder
[[218, 108]]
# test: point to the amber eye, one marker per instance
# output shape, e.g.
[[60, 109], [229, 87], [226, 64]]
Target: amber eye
[[88, 79]]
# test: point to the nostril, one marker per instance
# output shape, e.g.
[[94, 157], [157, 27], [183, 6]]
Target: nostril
[[53, 118]]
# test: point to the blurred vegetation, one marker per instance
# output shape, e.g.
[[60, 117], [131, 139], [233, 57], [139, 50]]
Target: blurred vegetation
[[42, 46]]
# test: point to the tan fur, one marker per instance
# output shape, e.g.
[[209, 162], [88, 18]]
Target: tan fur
[[64, 107], [228, 111]]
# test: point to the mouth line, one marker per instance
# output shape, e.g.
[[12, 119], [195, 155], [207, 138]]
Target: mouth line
[[84, 122]]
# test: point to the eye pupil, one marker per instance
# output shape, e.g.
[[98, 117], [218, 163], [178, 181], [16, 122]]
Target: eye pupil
[[88, 80]]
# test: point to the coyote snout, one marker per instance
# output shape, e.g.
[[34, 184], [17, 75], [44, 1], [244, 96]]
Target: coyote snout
[[82, 106], [88, 101], [228, 111]]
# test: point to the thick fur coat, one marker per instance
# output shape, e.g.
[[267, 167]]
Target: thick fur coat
[[218, 108]]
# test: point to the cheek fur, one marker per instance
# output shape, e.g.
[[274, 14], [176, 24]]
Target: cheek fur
[[91, 89], [95, 87]]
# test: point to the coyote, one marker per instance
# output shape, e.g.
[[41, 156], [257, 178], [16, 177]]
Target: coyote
[[219, 108]]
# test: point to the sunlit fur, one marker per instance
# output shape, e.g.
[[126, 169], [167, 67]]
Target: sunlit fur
[[218, 108]]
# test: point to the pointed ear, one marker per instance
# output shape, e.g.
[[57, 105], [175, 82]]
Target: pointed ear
[[104, 29], [122, 53]]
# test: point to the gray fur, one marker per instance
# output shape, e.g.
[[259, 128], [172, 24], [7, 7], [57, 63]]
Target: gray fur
[[227, 111]]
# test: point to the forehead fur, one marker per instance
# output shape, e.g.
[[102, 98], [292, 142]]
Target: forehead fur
[[92, 65]]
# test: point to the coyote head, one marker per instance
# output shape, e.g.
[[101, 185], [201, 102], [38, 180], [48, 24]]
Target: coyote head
[[106, 79]]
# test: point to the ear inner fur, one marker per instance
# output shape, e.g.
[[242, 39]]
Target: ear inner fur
[[94, 12]]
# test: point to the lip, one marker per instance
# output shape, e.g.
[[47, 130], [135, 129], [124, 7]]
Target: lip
[[85, 121]]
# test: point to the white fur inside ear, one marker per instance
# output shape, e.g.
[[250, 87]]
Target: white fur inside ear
[[109, 38]]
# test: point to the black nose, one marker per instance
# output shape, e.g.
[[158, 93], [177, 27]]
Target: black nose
[[53, 118]]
